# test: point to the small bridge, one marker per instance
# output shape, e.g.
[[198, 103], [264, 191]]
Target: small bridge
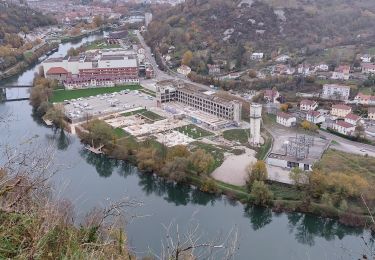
[[14, 86], [14, 95]]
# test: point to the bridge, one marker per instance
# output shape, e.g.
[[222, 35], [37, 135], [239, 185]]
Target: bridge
[[16, 86], [14, 95]]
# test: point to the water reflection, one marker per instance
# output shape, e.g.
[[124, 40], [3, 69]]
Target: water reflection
[[102, 164], [61, 139], [307, 227], [259, 216]]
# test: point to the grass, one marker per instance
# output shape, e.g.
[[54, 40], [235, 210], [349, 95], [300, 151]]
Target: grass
[[146, 113], [263, 150], [101, 45], [119, 132], [337, 161], [238, 135], [194, 131], [216, 152], [61, 95]]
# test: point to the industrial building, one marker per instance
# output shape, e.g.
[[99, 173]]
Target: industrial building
[[197, 98], [102, 69]]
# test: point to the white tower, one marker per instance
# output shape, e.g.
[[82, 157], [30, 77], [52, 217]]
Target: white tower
[[255, 119]]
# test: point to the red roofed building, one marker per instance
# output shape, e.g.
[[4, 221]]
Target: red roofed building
[[368, 68], [57, 73], [285, 119], [352, 119], [315, 117], [341, 72], [340, 110], [307, 105], [271, 95], [343, 127]]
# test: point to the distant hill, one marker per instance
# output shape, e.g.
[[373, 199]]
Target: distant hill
[[231, 30], [14, 17]]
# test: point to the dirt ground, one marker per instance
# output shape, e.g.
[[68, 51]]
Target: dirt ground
[[233, 169]]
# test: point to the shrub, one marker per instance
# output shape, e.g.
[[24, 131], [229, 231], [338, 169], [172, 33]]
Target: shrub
[[262, 195]]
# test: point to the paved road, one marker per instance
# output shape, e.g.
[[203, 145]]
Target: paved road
[[348, 146], [159, 74]]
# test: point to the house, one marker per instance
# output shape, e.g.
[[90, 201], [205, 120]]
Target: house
[[343, 127], [340, 110], [282, 58], [283, 69], [322, 67], [341, 72], [271, 95], [307, 105], [213, 69], [364, 99], [257, 56], [336, 92], [352, 119], [303, 69], [285, 119], [368, 68], [366, 58], [315, 117], [184, 70], [371, 113], [57, 73]]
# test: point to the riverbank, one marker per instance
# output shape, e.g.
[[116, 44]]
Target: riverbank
[[286, 198], [29, 61]]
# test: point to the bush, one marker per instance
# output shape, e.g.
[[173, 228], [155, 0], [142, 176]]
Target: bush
[[256, 172], [262, 195]]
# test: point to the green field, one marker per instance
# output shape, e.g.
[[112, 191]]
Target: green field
[[101, 45], [193, 131], [146, 113], [61, 95], [238, 135]]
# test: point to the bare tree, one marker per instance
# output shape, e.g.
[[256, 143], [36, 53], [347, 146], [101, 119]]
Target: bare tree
[[190, 244]]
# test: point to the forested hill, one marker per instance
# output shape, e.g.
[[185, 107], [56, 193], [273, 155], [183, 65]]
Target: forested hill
[[14, 17], [230, 28]]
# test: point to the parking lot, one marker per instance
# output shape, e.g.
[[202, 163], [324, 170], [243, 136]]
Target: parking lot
[[80, 109]]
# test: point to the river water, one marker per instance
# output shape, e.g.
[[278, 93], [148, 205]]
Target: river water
[[89, 181]]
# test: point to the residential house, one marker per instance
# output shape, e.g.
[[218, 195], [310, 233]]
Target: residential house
[[366, 58], [285, 119], [283, 69], [303, 69], [213, 69], [343, 127], [184, 70], [371, 113], [352, 119], [282, 58], [364, 99], [340, 110], [257, 56], [322, 67], [307, 105], [368, 68], [336, 92], [341, 72], [271, 95], [315, 117]]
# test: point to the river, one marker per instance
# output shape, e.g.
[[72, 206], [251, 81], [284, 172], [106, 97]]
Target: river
[[89, 180]]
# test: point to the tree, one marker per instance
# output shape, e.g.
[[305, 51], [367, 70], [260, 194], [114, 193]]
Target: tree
[[98, 20], [186, 58], [176, 169], [284, 107], [25, 30], [177, 151], [256, 172], [56, 115], [100, 133], [359, 131], [308, 126], [201, 161], [252, 74], [298, 176], [148, 159], [262, 195]]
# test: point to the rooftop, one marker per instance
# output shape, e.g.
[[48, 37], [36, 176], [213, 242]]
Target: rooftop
[[344, 124], [308, 102], [353, 117], [284, 115], [341, 106], [56, 70]]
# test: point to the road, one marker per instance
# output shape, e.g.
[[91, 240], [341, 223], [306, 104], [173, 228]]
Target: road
[[348, 146], [159, 74]]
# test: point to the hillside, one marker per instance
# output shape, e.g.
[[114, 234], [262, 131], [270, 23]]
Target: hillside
[[231, 30], [14, 17]]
